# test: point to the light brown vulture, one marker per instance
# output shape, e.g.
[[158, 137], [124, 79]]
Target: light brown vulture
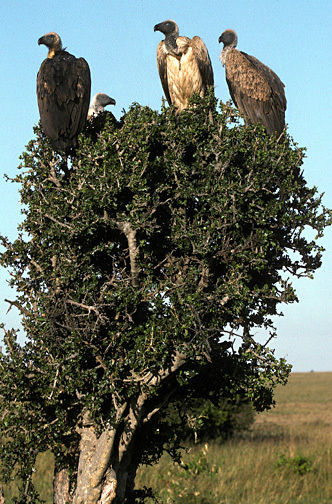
[[98, 102], [63, 93], [184, 65], [255, 89]]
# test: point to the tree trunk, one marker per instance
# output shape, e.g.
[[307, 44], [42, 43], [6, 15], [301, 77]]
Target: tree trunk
[[61, 487], [107, 464], [108, 492], [93, 462], [105, 474]]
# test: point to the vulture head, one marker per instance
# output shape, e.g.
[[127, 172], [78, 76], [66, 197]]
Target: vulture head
[[98, 102], [168, 28], [228, 38], [52, 41]]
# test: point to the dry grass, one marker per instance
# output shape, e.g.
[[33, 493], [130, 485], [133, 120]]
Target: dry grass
[[285, 459]]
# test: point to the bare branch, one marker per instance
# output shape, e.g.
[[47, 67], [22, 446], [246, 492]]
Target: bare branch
[[62, 224], [23, 310], [154, 379], [53, 178], [54, 383], [130, 233], [85, 307], [119, 409], [36, 265]]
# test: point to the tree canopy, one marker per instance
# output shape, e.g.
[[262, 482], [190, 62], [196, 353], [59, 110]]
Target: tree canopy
[[143, 266]]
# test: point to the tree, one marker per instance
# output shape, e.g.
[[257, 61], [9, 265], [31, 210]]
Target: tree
[[143, 265]]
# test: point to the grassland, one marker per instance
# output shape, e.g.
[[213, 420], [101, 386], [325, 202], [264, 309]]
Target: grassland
[[284, 459]]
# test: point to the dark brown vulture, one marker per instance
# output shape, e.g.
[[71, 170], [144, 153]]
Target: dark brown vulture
[[184, 65], [63, 93], [255, 89], [99, 101]]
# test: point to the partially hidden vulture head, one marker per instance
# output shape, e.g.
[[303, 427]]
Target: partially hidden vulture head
[[228, 38], [98, 102], [53, 41], [168, 28]]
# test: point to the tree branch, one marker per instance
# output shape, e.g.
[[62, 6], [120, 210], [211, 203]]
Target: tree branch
[[25, 312], [130, 233], [58, 222]]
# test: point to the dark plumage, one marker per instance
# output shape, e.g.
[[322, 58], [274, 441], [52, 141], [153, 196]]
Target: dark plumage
[[255, 89], [98, 102], [184, 65], [63, 93]]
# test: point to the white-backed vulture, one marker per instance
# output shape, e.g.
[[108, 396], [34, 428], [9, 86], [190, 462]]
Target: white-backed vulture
[[255, 89], [98, 102], [184, 65], [63, 93]]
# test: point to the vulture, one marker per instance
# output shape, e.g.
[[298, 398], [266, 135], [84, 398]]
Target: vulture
[[99, 101], [63, 93], [255, 89], [184, 65]]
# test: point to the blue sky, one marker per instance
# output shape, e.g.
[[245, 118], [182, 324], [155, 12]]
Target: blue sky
[[117, 39]]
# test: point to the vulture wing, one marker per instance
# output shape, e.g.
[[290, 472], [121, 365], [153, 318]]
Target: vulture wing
[[162, 69], [203, 61], [63, 93], [256, 90]]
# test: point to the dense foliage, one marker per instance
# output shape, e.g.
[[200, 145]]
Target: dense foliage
[[143, 265]]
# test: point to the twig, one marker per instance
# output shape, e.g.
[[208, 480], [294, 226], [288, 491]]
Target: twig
[[25, 312], [54, 383]]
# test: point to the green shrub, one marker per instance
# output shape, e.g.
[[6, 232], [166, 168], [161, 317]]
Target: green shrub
[[299, 464]]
